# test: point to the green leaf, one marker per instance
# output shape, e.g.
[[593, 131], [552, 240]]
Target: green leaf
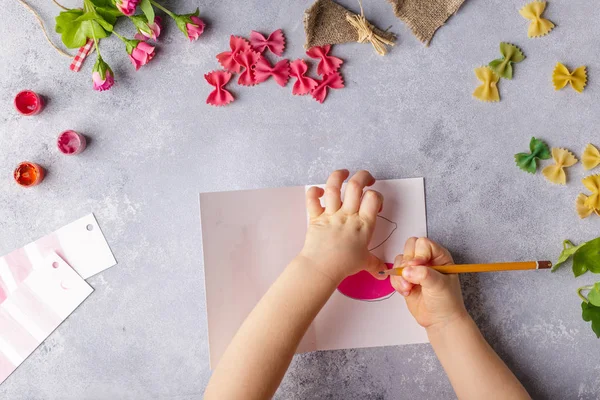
[[590, 312], [110, 14], [77, 26], [68, 25], [594, 295], [588, 257], [148, 10], [94, 26], [140, 22], [528, 162], [568, 250]]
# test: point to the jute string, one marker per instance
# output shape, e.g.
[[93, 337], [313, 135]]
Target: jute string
[[41, 22], [365, 32]]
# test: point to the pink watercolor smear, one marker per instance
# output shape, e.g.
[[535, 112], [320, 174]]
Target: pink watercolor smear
[[364, 286]]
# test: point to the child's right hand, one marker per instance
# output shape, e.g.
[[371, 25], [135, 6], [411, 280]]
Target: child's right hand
[[434, 299]]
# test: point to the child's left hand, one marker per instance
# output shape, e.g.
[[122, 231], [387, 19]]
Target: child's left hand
[[338, 235]]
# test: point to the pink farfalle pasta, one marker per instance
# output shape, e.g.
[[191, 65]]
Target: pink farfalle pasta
[[227, 58], [220, 96], [280, 71], [332, 81], [304, 84], [328, 64], [275, 42], [247, 60]]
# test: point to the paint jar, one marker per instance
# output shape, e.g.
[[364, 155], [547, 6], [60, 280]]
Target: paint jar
[[28, 102], [28, 174], [71, 143]]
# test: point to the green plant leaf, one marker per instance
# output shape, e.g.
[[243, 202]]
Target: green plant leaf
[[590, 312], [94, 26], [568, 250], [594, 295], [528, 162], [69, 27], [77, 26], [140, 22], [587, 257], [148, 10], [110, 14]]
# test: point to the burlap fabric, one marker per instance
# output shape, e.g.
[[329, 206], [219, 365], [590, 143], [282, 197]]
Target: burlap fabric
[[325, 23], [424, 17]]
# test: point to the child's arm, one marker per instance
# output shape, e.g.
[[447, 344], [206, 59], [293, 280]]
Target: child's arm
[[336, 246], [474, 369]]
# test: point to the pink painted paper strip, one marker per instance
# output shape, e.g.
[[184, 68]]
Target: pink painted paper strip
[[35, 307]]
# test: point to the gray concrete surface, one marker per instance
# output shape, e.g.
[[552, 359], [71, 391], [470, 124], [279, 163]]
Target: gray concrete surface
[[155, 145]]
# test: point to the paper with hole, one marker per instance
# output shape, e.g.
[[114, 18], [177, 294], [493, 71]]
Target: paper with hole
[[81, 244], [250, 236]]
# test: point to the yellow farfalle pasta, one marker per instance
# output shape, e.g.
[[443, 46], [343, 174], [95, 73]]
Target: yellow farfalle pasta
[[592, 182], [590, 157], [488, 90], [539, 26], [556, 173], [561, 77], [582, 210]]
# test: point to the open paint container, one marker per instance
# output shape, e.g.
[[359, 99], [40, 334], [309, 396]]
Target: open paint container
[[28, 174], [71, 143], [28, 102]]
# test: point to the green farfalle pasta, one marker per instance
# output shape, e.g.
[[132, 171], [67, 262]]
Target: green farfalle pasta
[[510, 54], [528, 161]]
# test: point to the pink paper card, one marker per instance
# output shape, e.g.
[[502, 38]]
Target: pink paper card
[[31, 308], [81, 244], [250, 236]]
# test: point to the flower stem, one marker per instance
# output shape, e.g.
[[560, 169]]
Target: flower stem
[[96, 44], [581, 296], [160, 7], [119, 36]]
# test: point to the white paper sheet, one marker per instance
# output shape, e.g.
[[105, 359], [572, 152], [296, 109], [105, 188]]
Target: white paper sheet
[[81, 244], [250, 236]]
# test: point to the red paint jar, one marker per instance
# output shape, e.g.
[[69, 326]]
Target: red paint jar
[[71, 143], [28, 174], [28, 102]]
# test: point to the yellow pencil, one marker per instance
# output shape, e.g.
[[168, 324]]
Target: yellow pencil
[[470, 268]]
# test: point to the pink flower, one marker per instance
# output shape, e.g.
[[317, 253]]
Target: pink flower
[[154, 30], [127, 7], [195, 28], [141, 54], [102, 84]]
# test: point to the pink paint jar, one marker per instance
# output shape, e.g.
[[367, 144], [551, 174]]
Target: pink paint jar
[[28, 174], [71, 143], [28, 102]]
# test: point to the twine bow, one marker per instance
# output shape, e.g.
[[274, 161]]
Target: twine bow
[[365, 32]]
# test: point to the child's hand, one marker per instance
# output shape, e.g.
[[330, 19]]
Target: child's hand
[[338, 235], [434, 299]]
